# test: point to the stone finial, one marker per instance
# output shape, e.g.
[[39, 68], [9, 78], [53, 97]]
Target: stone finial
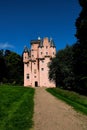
[[39, 38]]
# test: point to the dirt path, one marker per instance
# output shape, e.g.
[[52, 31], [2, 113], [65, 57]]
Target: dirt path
[[53, 114]]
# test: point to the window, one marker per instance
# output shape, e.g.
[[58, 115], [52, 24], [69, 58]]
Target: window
[[27, 76], [42, 61], [32, 55], [27, 64], [53, 53], [34, 76], [46, 46], [34, 71], [42, 69], [41, 53], [46, 53]]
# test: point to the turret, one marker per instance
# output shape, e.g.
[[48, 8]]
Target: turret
[[52, 44], [26, 55], [52, 48]]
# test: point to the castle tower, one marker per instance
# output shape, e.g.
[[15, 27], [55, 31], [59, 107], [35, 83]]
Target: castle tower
[[36, 62]]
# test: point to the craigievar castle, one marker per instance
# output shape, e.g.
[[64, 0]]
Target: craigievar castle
[[36, 60]]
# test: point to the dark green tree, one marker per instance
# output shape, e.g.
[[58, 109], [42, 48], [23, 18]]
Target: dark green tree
[[14, 67], [61, 70], [80, 49], [11, 67], [2, 66]]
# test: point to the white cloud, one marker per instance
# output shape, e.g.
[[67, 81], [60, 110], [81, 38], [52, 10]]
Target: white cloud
[[6, 45]]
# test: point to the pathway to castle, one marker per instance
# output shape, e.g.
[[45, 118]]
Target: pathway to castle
[[53, 114]]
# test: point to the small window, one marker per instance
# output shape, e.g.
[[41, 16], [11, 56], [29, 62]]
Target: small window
[[34, 71], [34, 76], [41, 53], [42, 69], [27, 64], [27, 76], [53, 53], [46, 53]]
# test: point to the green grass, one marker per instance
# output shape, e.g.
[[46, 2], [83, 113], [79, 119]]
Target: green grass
[[16, 107], [78, 102]]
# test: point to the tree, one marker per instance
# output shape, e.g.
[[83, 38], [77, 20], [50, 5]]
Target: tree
[[14, 66], [61, 70], [80, 49], [2, 66], [54, 70], [11, 67]]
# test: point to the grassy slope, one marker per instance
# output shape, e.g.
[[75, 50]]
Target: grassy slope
[[78, 102], [16, 108]]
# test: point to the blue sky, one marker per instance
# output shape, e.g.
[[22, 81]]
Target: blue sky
[[25, 20]]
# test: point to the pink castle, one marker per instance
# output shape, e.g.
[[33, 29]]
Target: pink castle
[[36, 62]]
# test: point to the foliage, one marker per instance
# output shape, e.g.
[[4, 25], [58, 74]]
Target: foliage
[[80, 49], [61, 70], [69, 68], [16, 108], [11, 67], [2, 66], [79, 102]]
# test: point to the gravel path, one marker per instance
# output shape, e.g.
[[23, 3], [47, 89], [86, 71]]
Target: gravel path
[[53, 114]]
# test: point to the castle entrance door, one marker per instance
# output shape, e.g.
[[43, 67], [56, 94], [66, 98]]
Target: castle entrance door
[[36, 84]]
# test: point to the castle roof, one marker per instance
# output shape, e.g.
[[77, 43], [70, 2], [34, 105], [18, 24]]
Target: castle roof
[[52, 44], [26, 49], [40, 42], [35, 41]]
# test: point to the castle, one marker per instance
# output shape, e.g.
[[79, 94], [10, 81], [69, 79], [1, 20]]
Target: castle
[[36, 62]]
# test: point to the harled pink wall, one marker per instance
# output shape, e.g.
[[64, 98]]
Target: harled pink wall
[[36, 65]]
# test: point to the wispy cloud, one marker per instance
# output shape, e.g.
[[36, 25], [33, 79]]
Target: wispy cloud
[[6, 45]]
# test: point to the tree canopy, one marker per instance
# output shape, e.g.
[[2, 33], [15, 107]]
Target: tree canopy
[[80, 48], [11, 67], [61, 70], [69, 68]]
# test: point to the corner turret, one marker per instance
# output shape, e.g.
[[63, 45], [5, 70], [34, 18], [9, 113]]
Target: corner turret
[[26, 55], [52, 44]]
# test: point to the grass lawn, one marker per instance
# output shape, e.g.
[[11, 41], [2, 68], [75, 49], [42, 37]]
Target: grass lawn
[[78, 102], [16, 107]]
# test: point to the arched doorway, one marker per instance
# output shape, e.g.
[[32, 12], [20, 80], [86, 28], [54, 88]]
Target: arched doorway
[[36, 84]]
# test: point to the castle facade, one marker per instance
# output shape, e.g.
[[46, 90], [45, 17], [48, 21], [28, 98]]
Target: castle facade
[[36, 62]]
